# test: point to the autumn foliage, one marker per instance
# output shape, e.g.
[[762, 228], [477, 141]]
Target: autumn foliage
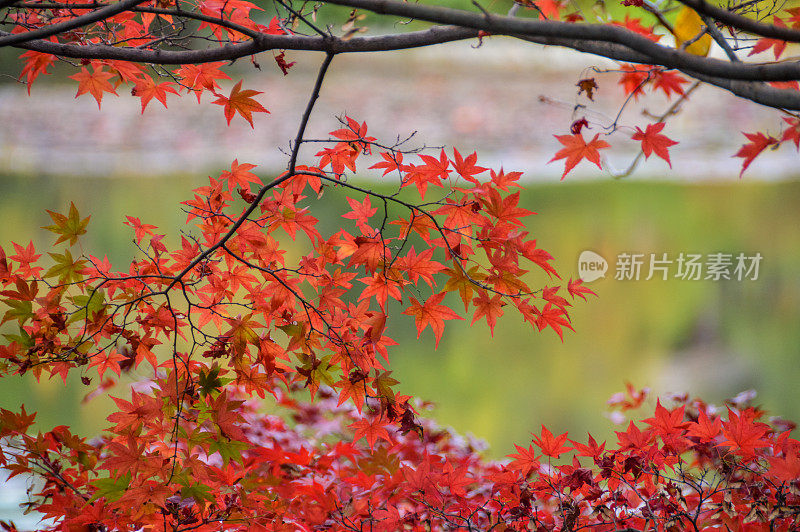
[[225, 321]]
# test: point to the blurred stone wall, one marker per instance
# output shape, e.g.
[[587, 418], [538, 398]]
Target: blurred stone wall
[[505, 99]]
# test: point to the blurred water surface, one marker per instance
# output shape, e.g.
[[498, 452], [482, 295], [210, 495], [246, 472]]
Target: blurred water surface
[[713, 338], [504, 98]]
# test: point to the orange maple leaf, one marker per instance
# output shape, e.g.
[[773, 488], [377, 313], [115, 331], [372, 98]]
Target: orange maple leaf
[[653, 142], [576, 148], [95, 83], [240, 175], [35, 63], [431, 313], [491, 308], [201, 77], [147, 89], [240, 101]]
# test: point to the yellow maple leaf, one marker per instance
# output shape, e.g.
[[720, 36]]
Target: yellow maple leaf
[[688, 26]]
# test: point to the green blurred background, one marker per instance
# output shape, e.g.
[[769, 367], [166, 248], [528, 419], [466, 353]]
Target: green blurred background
[[712, 339]]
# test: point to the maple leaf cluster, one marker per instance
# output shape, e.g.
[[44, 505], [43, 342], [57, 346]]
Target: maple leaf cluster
[[223, 318], [688, 466], [227, 319]]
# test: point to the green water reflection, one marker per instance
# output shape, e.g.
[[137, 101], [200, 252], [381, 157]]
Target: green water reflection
[[705, 337]]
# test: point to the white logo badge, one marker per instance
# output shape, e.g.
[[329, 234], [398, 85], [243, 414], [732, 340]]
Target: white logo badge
[[591, 266]]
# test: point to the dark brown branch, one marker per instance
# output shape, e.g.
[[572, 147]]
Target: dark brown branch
[[743, 23], [263, 42], [604, 40], [565, 31], [614, 42], [301, 130]]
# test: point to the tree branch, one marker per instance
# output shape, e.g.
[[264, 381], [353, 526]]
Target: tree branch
[[743, 79], [656, 54], [54, 29], [743, 23]]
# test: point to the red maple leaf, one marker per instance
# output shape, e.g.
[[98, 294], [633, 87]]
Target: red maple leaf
[[576, 288], [361, 211], [26, 257], [590, 449], [578, 125], [670, 426], [432, 172], [633, 438], [525, 461], [785, 468], [466, 167], [141, 230], [705, 428], [226, 416], [431, 313], [792, 133], [653, 142], [419, 266], [764, 44], [240, 101], [743, 433], [551, 446], [354, 389], [668, 81], [635, 25], [371, 429], [576, 148], [123, 458], [423, 479], [540, 257], [553, 317], [35, 63], [132, 415], [504, 181], [758, 143], [633, 79], [392, 162], [283, 64]]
